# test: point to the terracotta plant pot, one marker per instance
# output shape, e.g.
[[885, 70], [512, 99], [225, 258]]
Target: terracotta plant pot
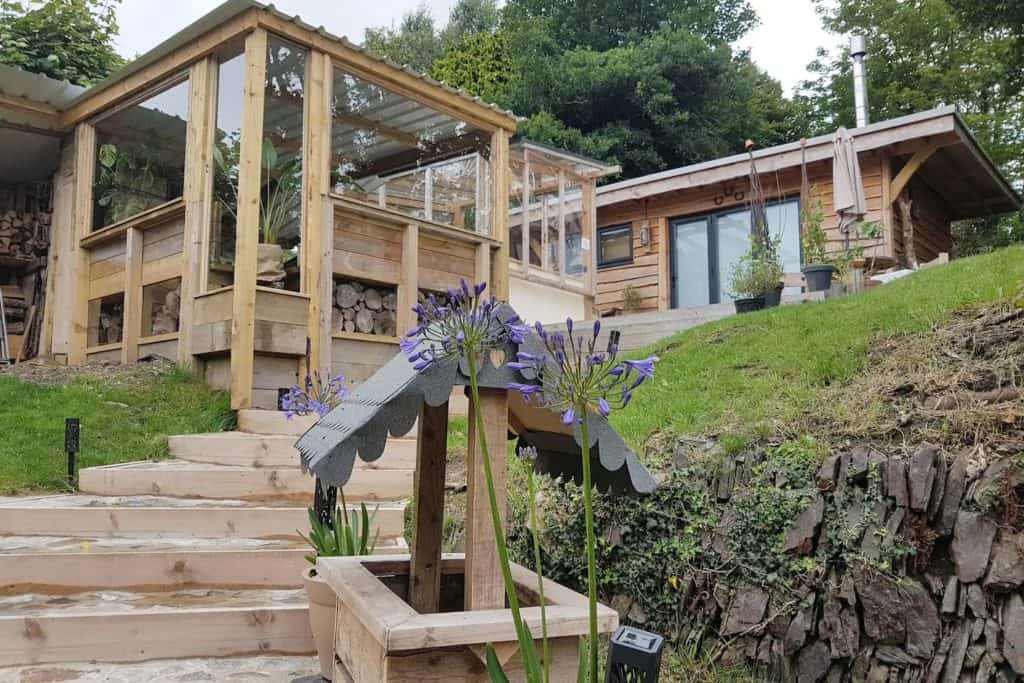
[[269, 263], [749, 304], [321, 619], [819, 277]]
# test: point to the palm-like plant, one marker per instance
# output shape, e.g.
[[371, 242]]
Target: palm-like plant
[[342, 536], [280, 186]]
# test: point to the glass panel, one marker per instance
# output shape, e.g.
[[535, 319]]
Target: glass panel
[[397, 153], [574, 243], [515, 217], [281, 176], [225, 177], [552, 223], [140, 156], [733, 242], [535, 242], [161, 305], [784, 223], [615, 245], [690, 276], [106, 320]]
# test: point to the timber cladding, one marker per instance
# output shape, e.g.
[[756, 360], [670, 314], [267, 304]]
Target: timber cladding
[[107, 264], [442, 263], [367, 251], [162, 248], [648, 272]]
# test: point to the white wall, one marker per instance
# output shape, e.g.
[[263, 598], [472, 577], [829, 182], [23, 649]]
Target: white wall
[[535, 302]]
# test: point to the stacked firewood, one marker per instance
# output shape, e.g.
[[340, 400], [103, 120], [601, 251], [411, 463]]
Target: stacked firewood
[[15, 310], [365, 308], [24, 235]]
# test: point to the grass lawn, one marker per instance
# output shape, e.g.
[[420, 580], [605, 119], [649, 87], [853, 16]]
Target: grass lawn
[[125, 416], [758, 373]]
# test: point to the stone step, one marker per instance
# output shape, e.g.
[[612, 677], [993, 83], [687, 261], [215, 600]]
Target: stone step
[[162, 567], [249, 668], [121, 521], [273, 450], [184, 479], [273, 422], [120, 626]]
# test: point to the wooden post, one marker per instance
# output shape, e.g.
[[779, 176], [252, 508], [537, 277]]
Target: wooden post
[[198, 195], [85, 155], [561, 228], [888, 222], [525, 213], [132, 310], [907, 217], [589, 243], [664, 265], [243, 321], [428, 494], [408, 282], [485, 587], [499, 213], [318, 153], [482, 270]]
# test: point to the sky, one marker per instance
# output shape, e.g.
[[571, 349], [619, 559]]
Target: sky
[[783, 44]]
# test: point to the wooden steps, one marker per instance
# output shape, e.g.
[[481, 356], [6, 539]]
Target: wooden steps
[[183, 479], [273, 422], [151, 517], [282, 668], [267, 450]]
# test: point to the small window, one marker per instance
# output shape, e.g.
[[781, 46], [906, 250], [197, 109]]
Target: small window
[[161, 307], [106, 320], [615, 245]]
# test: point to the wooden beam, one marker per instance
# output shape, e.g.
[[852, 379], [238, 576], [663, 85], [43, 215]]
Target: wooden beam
[[243, 320], [499, 214], [664, 264], [482, 270], [588, 243], [561, 227], [907, 218], [132, 310], [408, 279], [910, 168], [198, 196], [888, 222], [485, 587], [428, 496], [315, 187], [85, 170]]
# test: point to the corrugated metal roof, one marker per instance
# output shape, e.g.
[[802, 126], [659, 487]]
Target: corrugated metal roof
[[233, 8], [15, 82]]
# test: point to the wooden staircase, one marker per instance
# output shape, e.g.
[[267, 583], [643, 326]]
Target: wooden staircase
[[193, 557]]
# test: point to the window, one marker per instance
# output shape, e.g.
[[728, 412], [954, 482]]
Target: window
[[161, 307], [231, 74], [140, 156], [401, 155], [615, 245], [106, 320]]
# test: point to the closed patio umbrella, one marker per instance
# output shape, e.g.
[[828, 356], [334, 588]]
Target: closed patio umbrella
[[847, 185]]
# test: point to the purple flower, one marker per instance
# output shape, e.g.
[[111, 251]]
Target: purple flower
[[645, 367], [569, 416], [603, 407], [524, 389], [314, 397]]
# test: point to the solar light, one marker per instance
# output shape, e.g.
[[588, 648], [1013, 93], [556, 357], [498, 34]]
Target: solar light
[[634, 656], [72, 444]]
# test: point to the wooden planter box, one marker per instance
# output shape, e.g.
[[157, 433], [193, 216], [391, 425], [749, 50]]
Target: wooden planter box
[[380, 637]]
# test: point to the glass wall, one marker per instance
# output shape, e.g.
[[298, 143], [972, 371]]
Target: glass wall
[[280, 228], [140, 156], [227, 137], [398, 154]]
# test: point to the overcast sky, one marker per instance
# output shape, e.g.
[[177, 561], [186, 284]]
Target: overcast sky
[[786, 41]]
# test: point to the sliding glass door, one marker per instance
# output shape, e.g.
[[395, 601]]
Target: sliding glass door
[[704, 250]]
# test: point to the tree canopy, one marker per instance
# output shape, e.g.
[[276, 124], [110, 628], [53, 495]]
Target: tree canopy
[[71, 40]]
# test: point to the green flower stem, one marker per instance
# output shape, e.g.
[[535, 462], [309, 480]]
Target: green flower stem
[[588, 506], [499, 532], [540, 576]]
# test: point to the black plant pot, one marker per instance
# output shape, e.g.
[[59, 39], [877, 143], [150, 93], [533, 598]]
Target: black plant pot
[[749, 305], [773, 298], [819, 277]]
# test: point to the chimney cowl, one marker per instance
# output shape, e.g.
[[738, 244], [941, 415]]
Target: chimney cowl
[[858, 46]]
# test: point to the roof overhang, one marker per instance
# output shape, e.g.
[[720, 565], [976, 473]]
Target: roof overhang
[[975, 172], [188, 43], [584, 166], [32, 102]]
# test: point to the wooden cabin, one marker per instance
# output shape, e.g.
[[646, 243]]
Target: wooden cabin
[[667, 240], [257, 198]]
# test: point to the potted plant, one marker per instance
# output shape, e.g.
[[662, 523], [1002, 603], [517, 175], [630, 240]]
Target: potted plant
[[752, 281], [280, 197], [338, 536], [818, 269]]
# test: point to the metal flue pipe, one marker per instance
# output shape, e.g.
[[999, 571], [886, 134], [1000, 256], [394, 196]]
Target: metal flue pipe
[[859, 53]]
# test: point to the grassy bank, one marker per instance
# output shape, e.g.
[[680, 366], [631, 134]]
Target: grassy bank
[[125, 416], [759, 373]]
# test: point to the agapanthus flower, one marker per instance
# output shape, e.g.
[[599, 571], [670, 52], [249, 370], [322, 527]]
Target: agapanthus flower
[[315, 397], [463, 322], [576, 377]]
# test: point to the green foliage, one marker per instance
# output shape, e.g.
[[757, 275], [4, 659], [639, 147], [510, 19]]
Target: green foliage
[[280, 189], [70, 40], [344, 536], [125, 417], [812, 237], [751, 276], [131, 179], [415, 43], [481, 64]]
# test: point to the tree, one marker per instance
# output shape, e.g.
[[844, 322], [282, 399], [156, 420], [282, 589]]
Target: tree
[[71, 40], [605, 24], [480, 64], [924, 54], [469, 18], [415, 43]]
